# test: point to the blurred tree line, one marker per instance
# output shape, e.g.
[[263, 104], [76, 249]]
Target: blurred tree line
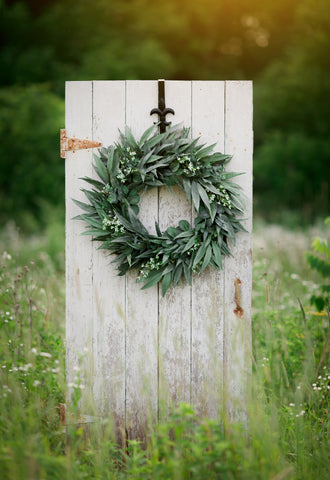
[[283, 46]]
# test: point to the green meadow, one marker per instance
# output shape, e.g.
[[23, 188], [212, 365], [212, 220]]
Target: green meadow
[[287, 436]]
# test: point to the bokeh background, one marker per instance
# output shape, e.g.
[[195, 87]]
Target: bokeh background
[[282, 45]]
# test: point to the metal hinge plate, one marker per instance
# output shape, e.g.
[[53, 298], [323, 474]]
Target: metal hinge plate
[[69, 144]]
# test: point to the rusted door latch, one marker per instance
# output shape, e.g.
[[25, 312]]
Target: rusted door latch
[[75, 143], [238, 298]]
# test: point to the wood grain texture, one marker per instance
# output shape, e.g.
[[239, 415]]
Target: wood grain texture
[[238, 268], [175, 307], [208, 287], [79, 250], [141, 305], [109, 290]]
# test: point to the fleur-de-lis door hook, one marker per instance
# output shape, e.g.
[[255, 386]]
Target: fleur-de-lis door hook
[[162, 111]]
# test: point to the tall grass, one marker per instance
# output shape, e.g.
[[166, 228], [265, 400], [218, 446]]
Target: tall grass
[[288, 434]]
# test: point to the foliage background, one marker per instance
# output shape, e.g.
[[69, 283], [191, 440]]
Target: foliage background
[[282, 46]]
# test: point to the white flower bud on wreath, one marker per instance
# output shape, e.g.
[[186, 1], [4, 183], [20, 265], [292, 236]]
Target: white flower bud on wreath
[[127, 169]]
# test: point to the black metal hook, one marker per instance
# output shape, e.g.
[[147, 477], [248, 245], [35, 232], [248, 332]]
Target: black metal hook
[[162, 111]]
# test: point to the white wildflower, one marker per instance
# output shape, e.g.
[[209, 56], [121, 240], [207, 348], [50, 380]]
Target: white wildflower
[[294, 276], [45, 354]]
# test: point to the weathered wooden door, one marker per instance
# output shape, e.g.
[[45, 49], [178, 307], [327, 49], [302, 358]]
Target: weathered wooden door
[[139, 353]]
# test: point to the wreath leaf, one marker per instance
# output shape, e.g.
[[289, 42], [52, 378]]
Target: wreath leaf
[[101, 169], [195, 195], [166, 282]]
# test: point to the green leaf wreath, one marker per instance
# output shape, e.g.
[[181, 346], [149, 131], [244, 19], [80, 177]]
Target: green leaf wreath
[[127, 169]]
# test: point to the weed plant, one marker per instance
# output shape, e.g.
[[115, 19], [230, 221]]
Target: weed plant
[[288, 430]]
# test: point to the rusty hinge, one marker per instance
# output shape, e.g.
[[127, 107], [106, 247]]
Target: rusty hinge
[[75, 143]]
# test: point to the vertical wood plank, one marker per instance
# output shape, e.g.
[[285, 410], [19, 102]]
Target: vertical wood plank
[[108, 287], [238, 268], [175, 307], [208, 287], [79, 251], [141, 305]]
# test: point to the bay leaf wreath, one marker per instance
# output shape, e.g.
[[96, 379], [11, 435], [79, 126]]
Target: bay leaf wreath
[[128, 168]]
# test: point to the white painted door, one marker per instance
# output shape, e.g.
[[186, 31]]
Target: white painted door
[[139, 353]]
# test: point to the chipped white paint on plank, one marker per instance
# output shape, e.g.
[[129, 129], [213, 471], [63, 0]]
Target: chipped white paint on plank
[[238, 268], [108, 288], [79, 250], [175, 308], [208, 287], [141, 305]]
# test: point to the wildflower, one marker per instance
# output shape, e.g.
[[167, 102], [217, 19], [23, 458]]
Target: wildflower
[[294, 276], [36, 383], [113, 225], [34, 351], [45, 354], [25, 368], [146, 268], [301, 413]]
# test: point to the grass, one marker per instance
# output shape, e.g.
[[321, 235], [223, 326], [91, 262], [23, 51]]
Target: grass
[[288, 434]]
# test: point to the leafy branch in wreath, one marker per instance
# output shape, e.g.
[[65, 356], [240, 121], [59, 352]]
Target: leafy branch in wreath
[[129, 168]]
